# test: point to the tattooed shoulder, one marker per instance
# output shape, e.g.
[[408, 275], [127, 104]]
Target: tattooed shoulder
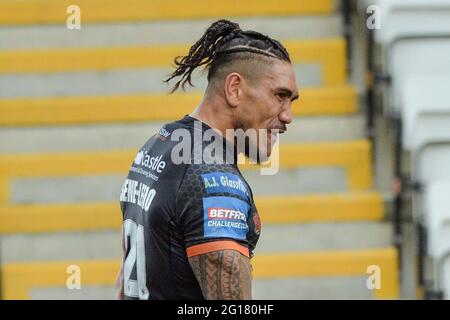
[[224, 274]]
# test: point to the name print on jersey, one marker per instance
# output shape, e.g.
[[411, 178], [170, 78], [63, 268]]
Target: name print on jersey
[[138, 193]]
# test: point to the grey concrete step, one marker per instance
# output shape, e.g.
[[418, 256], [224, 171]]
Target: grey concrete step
[[324, 236], [281, 238], [67, 190], [61, 246], [118, 82], [134, 135], [116, 34], [84, 293], [298, 181], [328, 288]]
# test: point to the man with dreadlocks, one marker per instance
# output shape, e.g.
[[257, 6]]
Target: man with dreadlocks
[[189, 229]]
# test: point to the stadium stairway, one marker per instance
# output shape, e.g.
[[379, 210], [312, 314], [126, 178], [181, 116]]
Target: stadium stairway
[[76, 104]]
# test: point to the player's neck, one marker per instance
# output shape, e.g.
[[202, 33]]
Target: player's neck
[[214, 115]]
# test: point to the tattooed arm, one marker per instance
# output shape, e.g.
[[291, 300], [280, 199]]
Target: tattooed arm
[[223, 275]]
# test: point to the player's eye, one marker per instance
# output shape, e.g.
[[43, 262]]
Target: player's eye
[[281, 96]]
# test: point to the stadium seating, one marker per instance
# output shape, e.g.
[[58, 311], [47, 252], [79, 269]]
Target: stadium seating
[[411, 18], [426, 112], [438, 215], [411, 58], [415, 41], [433, 162], [415, 45], [73, 87]]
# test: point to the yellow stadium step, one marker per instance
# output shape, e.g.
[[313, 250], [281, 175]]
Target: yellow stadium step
[[359, 206], [13, 12], [333, 263], [353, 156], [335, 207], [136, 108], [330, 53], [19, 278]]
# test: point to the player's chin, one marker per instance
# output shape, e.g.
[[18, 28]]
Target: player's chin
[[260, 153], [264, 153], [272, 140], [256, 155], [270, 143]]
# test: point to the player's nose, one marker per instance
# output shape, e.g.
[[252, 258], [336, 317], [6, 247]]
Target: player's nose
[[286, 116]]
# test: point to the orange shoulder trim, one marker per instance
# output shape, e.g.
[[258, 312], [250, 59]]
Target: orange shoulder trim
[[202, 248]]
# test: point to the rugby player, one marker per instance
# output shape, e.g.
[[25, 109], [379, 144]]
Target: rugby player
[[190, 228]]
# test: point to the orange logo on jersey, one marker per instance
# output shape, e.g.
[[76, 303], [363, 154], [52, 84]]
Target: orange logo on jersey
[[257, 222]]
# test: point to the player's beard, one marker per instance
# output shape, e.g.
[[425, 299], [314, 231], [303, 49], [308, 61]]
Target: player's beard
[[254, 149], [263, 145]]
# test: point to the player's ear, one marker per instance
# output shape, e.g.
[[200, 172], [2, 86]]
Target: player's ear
[[233, 89]]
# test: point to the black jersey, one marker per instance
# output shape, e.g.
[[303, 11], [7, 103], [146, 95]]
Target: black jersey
[[174, 210]]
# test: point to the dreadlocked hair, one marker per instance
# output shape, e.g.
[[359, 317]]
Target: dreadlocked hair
[[222, 42]]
